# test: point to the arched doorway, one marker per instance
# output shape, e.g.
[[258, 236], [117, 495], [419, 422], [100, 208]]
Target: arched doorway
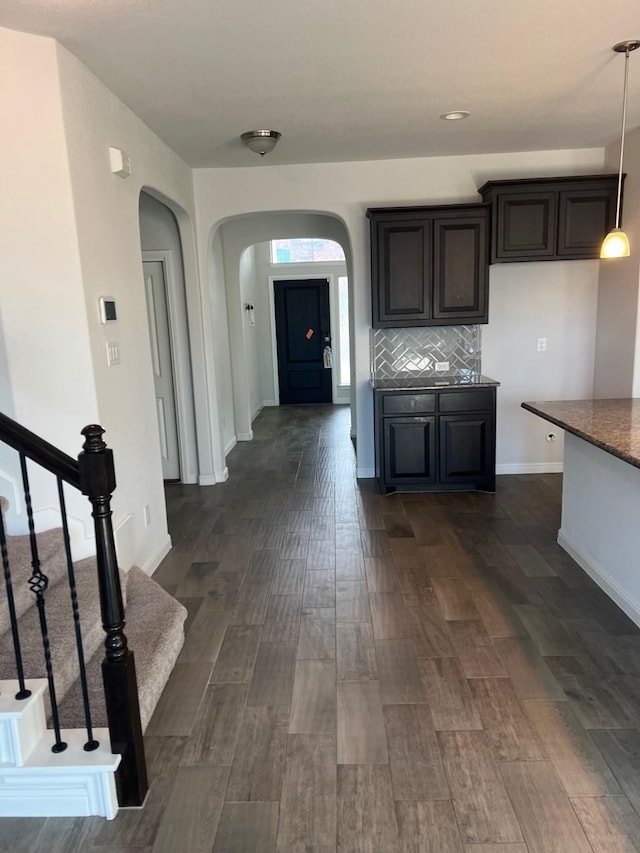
[[164, 280], [228, 243]]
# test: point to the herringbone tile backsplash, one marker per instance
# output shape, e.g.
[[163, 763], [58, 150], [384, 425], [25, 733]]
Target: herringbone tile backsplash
[[395, 352]]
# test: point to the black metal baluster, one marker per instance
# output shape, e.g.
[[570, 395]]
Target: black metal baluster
[[91, 743], [38, 583], [22, 693]]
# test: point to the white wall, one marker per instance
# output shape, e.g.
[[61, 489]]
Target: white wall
[[249, 292], [263, 322], [219, 325], [70, 233], [555, 300], [617, 370], [47, 383], [107, 219], [600, 526], [345, 190]]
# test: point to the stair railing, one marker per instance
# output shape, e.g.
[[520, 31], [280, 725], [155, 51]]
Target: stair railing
[[93, 474]]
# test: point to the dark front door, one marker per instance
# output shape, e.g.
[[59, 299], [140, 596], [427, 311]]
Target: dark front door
[[303, 331]]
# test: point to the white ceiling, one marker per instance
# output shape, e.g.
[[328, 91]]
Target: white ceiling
[[354, 79]]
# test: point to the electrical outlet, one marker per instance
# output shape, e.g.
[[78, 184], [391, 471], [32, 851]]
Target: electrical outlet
[[542, 345], [147, 515], [442, 365]]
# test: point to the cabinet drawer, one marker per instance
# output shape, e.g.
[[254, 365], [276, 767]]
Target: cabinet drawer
[[481, 400], [408, 404]]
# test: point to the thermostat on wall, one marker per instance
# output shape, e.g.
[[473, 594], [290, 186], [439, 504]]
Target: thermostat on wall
[[107, 309]]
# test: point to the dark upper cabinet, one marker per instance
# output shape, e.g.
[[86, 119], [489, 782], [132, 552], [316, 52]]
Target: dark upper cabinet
[[585, 217], [460, 269], [403, 260], [550, 219], [429, 265], [525, 225]]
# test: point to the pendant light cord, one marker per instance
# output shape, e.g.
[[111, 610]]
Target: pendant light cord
[[624, 126]]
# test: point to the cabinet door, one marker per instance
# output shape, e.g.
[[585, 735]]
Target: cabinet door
[[526, 226], [401, 273], [460, 269], [467, 448], [585, 218], [409, 450]]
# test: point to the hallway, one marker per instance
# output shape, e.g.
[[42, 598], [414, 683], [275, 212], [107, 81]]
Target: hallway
[[415, 672]]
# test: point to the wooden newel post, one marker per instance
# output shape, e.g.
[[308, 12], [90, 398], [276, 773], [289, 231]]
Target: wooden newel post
[[98, 481]]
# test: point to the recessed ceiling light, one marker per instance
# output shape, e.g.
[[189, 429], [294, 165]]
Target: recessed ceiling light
[[456, 115]]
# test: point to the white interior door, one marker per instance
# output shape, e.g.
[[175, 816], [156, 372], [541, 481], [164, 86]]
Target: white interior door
[[158, 316]]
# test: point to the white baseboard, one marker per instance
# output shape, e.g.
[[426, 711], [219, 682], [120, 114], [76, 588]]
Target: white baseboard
[[216, 477], [365, 473], [603, 580], [189, 479], [530, 468], [257, 412], [245, 436], [230, 445], [207, 480], [268, 403], [154, 561]]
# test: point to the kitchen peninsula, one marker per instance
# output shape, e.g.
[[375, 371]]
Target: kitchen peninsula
[[601, 491]]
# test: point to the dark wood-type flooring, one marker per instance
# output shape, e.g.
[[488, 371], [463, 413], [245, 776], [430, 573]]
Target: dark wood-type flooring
[[421, 672]]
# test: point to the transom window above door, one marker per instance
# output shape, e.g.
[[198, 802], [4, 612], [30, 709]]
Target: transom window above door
[[305, 250]]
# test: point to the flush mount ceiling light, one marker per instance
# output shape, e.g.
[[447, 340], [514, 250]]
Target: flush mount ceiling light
[[616, 243], [456, 115], [261, 141]]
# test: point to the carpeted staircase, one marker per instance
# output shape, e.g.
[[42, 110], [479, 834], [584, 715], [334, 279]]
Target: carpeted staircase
[[154, 628]]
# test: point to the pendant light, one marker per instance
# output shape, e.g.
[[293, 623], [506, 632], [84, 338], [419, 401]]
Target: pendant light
[[616, 243]]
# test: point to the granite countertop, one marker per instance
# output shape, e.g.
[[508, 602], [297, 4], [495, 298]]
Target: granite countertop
[[463, 378], [611, 425]]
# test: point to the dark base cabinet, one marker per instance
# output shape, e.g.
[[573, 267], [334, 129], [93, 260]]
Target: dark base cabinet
[[409, 450], [451, 449], [467, 447]]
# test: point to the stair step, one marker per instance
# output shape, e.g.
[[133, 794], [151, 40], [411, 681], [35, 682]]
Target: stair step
[[73, 783], [22, 721]]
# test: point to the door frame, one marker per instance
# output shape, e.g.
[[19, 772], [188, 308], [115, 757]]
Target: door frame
[[180, 360], [336, 397]]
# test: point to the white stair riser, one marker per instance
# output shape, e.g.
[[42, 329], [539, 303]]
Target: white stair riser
[[35, 792], [34, 781], [22, 722]]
